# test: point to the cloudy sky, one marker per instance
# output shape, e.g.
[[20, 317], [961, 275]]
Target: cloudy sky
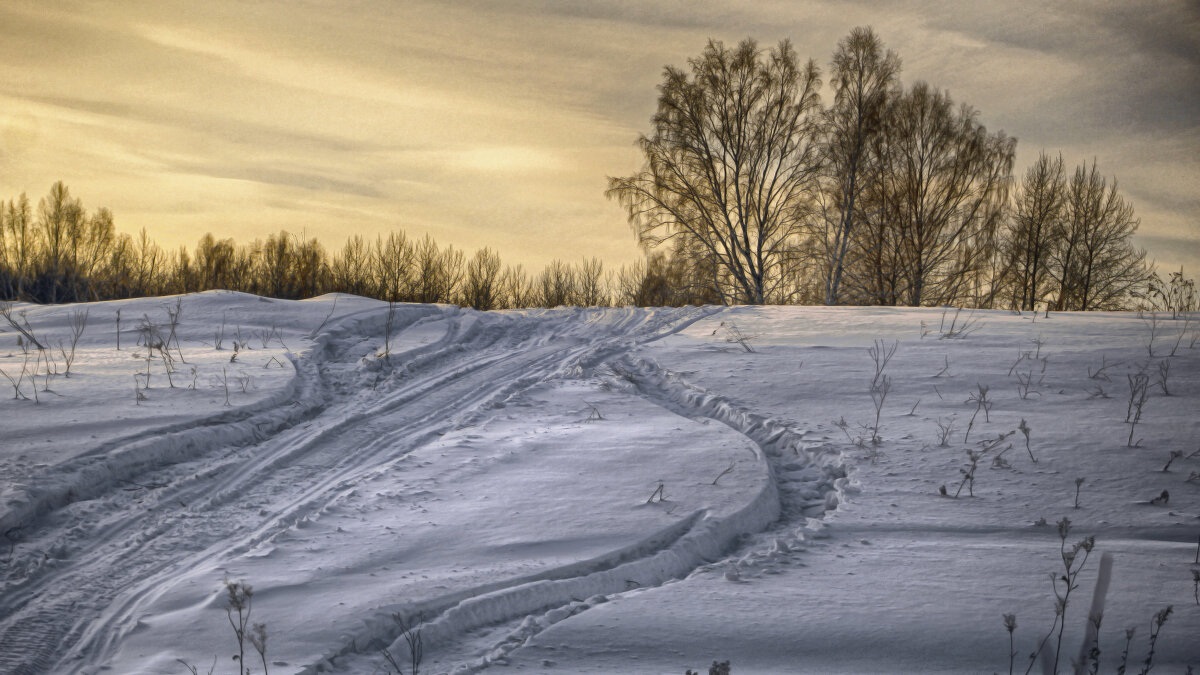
[[496, 123]]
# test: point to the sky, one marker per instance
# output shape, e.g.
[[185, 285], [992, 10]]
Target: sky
[[496, 123]]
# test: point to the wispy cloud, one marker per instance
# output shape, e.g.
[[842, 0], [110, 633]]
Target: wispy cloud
[[494, 123]]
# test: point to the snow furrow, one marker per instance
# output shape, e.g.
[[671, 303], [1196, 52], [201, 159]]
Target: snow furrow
[[775, 510], [134, 558], [99, 470], [537, 604]]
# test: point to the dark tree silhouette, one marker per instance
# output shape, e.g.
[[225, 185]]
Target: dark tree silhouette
[[864, 79], [1096, 265], [1034, 231], [731, 166]]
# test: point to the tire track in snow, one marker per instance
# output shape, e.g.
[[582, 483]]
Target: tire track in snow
[[101, 469], [804, 481], [76, 613], [37, 626]]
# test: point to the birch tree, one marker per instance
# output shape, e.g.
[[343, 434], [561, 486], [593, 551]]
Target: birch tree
[[730, 166]]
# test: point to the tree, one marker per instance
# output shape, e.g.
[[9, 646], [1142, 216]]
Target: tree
[[590, 288], [437, 272], [350, 270], [938, 203], [556, 285], [1096, 265], [1034, 230], [392, 260], [730, 165], [481, 285], [60, 224], [20, 240], [864, 79], [214, 262]]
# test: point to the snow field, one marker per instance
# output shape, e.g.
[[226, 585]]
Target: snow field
[[491, 478], [909, 581]]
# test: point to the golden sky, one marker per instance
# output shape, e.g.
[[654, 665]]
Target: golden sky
[[496, 123]]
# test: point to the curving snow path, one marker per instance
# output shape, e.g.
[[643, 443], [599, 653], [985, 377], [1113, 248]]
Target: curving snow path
[[495, 480], [493, 467]]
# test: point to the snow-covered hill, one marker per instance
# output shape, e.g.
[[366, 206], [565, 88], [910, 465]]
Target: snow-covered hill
[[592, 490]]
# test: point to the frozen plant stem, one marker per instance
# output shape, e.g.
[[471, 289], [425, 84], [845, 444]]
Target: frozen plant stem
[[1179, 338], [1099, 374], [24, 341], [1070, 577], [1089, 650], [1152, 329], [735, 334], [1129, 633], [956, 330], [387, 331], [239, 599], [845, 427], [1155, 626], [174, 315], [881, 354], [1164, 369], [79, 320], [945, 429], [1010, 624], [1139, 385], [1078, 484], [658, 492], [219, 335], [1175, 454], [969, 474], [878, 396], [258, 640], [981, 402], [1024, 428], [723, 473], [412, 639]]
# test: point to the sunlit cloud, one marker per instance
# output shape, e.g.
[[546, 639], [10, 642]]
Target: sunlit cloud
[[495, 123]]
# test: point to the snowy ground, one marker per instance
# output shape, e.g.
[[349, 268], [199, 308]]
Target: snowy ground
[[489, 482]]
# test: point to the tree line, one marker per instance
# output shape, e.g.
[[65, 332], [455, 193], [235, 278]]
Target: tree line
[[59, 252], [753, 191], [888, 195]]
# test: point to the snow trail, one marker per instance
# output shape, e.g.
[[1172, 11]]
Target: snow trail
[[805, 481], [337, 425]]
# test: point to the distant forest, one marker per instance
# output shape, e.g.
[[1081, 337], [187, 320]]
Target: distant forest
[[752, 192], [61, 253]]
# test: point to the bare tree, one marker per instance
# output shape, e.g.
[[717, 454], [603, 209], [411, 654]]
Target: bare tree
[[216, 262], [437, 272], [556, 285], [1096, 265], [20, 242], [939, 201], [392, 263], [350, 270], [864, 79], [1034, 230], [730, 165], [589, 283], [481, 285], [516, 289]]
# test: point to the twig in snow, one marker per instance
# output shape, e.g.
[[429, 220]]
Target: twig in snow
[[723, 473]]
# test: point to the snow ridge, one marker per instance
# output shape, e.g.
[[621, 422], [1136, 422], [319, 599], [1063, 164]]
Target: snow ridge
[[702, 542], [346, 416]]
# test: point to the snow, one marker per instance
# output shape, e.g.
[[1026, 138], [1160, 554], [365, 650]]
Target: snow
[[495, 479]]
